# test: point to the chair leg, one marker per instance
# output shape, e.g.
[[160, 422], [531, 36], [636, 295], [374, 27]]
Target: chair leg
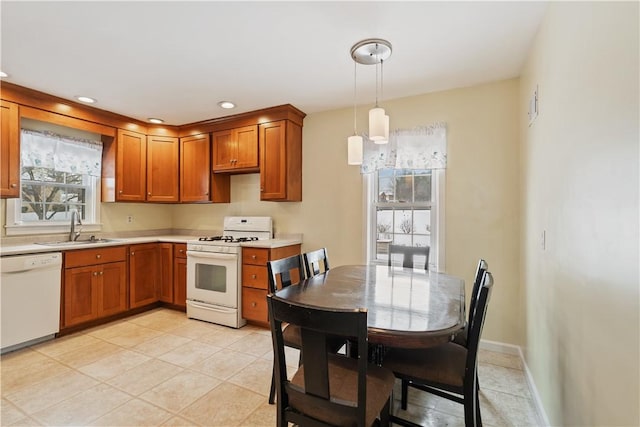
[[384, 415], [272, 392], [404, 395]]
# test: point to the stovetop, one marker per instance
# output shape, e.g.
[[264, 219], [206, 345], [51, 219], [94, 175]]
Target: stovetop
[[227, 239]]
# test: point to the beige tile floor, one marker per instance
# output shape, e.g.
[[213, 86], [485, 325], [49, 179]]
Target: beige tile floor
[[161, 369]]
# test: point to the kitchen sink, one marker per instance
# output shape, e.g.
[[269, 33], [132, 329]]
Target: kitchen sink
[[77, 242]]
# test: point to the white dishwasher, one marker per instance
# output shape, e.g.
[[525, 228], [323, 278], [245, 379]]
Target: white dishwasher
[[29, 298]]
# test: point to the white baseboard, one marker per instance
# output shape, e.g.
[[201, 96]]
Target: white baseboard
[[499, 347]]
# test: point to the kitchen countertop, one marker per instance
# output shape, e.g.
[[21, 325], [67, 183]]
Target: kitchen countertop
[[33, 248]]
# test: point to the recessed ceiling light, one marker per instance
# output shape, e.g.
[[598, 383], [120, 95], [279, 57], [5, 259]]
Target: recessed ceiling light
[[156, 121], [3, 74], [226, 104], [85, 99]]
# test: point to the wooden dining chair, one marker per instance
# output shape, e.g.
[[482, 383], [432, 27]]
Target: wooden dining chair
[[316, 262], [328, 388], [408, 255], [282, 273], [448, 370]]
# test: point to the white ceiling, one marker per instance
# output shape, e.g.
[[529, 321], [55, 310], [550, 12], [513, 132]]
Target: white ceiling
[[176, 60]]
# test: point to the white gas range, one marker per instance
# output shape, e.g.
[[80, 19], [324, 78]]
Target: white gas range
[[214, 270]]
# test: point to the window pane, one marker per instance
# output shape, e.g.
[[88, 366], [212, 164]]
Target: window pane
[[383, 224], [385, 185], [404, 188], [403, 222], [402, 239], [421, 241], [55, 212], [423, 188], [422, 221]]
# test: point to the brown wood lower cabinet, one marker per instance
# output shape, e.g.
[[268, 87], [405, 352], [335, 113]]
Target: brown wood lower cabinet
[[144, 274], [95, 284], [180, 274], [255, 282]]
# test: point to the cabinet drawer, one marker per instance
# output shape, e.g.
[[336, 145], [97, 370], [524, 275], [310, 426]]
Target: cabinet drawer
[[255, 276], [180, 250], [255, 256], [94, 256], [254, 305]]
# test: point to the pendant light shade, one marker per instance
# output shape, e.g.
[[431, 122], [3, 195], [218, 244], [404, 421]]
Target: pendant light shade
[[377, 124], [354, 145]]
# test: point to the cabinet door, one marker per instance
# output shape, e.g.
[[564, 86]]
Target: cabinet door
[[224, 150], [112, 288], [9, 150], [131, 164], [273, 156], [180, 282], [144, 274], [281, 161], [195, 168], [166, 273], [247, 147], [162, 169], [80, 299]]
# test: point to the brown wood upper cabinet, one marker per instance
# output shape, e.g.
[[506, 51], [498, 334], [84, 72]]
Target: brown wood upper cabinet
[[280, 161], [131, 169], [162, 169], [236, 150], [146, 168], [9, 150], [196, 182]]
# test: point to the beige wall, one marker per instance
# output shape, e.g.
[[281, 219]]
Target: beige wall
[[580, 184], [482, 201]]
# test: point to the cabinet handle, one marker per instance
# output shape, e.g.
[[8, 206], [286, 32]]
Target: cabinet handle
[[14, 185], [101, 273], [181, 251], [133, 253], [149, 193], [119, 191], [95, 273], [98, 256], [253, 257], [261, 188], [253, 304], [253, 276]]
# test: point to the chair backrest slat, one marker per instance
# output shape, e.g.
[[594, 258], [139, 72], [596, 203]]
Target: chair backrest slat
[[408, 254], [477, 323], [314, 260], [482, 267], [280, 272]]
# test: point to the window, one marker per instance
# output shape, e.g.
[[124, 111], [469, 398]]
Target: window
[[406, 209], [59, 173]]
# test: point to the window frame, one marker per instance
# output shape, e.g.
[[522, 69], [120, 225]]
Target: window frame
[[437, 218], [14, 226]]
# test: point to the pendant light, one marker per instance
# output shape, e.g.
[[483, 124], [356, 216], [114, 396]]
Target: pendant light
[[354, 142], [374, 52]]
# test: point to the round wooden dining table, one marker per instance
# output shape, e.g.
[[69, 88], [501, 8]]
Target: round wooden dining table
[[407, 308]]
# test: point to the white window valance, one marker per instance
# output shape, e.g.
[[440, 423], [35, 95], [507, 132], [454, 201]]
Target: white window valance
[[62, 153], [420, 148]]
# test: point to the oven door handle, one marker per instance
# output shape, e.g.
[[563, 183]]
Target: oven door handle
[[210, 255], [211, 307]]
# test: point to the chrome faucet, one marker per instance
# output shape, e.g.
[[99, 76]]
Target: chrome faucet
[[75, 218]]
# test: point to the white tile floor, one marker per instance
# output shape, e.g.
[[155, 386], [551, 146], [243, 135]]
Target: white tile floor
[[160, 368]]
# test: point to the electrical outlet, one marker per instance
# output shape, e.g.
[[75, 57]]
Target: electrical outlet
[[129, 219]]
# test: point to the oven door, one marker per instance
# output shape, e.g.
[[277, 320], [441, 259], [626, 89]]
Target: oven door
[[212, 278]]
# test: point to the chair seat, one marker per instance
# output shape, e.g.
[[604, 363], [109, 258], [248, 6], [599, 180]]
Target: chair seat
[[343, 386], [443, 364]]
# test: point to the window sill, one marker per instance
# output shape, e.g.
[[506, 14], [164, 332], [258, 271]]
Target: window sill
[[34, 229]]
